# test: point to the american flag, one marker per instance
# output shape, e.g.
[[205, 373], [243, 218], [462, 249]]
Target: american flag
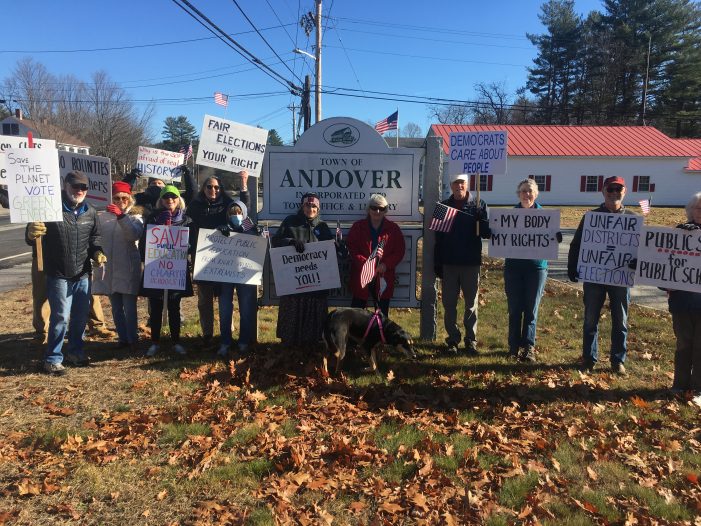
[[186, 151], [645, 206], [339, 232], [443, 218], [390, 123], [367, 274], [221, 99], [247, 224], [266, 232]]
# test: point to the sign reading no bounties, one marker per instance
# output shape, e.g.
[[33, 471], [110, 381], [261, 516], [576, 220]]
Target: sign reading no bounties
[[97, 169], [158, 163], [237, 258], [670, 258], [344, 161], [478, 153], [314, 269], [165, 262], [609, 243], [230, 146], [33, 184], [524, 233]]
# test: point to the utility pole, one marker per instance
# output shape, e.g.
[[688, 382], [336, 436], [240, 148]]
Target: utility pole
[[294, 122], [306, 105], [318, 61]]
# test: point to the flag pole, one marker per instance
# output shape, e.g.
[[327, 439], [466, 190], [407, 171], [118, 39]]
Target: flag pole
[[397, 126], [477, 186]]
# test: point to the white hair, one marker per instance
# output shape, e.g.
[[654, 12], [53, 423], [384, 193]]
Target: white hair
[[691, 205]]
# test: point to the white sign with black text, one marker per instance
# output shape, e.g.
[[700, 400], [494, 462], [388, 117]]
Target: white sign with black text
[[160, 164], [314, 269], [9, 141], [165, 264], [482, 152], [237, 258], [524, 233], [98, 171], [669, 258]]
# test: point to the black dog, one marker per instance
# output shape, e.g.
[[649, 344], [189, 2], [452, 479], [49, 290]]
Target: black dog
[[342, 325]]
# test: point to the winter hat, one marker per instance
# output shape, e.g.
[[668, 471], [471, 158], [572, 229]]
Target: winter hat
[[120, 187], [169, 189]]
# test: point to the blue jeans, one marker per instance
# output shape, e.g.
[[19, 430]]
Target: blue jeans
[[594, 296], [70, 303], [124, 315], [247, 296], [524, 290]]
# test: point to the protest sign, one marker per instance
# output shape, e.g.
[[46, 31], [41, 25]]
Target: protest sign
[[609, 243], [97, 169], [230, 146], [524, 233], [669, 258], [33, 184], [478, 153], [9, 141], [165, 264], [238, 258], [314, 269], [158, 163]]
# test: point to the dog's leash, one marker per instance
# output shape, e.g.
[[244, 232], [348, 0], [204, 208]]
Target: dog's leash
[[375, 317]]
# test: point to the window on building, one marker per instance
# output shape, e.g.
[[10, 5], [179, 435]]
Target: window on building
[[486, 182], [641, 183], [543, 182], [592, 183], [10, 128]]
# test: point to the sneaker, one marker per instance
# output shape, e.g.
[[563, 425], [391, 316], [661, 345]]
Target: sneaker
[[618, 368], [696, 400], [452, 348], [471, 349], [179, 349], [55, 369], [223, 351], [587, 366], [513, 354], [528, 355], [77, 361], [152, 350]]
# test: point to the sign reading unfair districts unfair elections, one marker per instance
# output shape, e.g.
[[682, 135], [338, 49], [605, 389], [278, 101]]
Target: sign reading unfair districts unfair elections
[[523, 233], [230, 146], [33, 184], [158, 163], [669, 258], [165, 264], [609, 243], [314, 269], [97, 169], [237, 258]]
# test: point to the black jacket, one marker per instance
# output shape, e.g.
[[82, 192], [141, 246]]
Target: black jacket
[[462, 245], [298, 227]]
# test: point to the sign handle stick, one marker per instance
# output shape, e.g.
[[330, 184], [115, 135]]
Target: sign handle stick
[[37, 241], [477, 186], [165, 312]]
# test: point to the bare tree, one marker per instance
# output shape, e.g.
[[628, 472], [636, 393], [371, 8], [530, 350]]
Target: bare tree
[[411, 129], [31, 88], [493, 104], [450, 114]]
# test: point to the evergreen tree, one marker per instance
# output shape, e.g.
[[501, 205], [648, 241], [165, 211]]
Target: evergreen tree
[[177, 132], [274, 138]]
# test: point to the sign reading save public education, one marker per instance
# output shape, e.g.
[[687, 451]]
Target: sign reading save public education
[[33, 184], [344, 161], [165, 264], [238, 258], [98, 171], [669, 258], [609, 243], [482, 152], [230, 146], [160, 164], [314, 269], [524, 233]]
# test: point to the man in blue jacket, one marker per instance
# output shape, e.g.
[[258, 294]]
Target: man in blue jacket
[[458, 257]]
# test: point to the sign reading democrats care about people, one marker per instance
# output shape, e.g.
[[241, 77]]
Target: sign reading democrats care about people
[[482, 152], [524, 233], [238, 258], [670, 258], [230, 146], [314, 269], [609, 243], [165, 264]]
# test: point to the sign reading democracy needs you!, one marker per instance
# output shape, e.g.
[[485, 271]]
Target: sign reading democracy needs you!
[[230, 146], [160, 164], [238, 258], [609, 243], [344, 161], [165, 264], [524, 233], [670, 258], [478, 153], [314, 269], [33, 184], [97, 170]]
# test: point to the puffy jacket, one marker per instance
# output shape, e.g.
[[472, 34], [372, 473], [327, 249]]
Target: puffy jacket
[[206, 214], [298, 227], [359, 242], [684, 300], [462, 245], [119, 239], [69, 245]]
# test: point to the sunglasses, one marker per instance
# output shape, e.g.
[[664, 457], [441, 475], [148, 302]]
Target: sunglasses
[[81, 187], [169, 197], [612, 189], [120, 198], [212, 187], [378, 208]]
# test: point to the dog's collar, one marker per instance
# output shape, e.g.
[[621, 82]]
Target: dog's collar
[[373, 318]]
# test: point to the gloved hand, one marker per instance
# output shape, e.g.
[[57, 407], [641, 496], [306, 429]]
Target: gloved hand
[[298, 244], [573, 275], [438, 270], [114, 209], [689, 226], [164, 218], [225, 230], [184, 170], [633, 264], [558, 236], [36, 230], [99, 258], [135, 172]]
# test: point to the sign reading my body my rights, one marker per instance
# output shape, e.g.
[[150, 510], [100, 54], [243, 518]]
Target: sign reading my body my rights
[[230, 146], [165, 264], [670, 258], [33, 184], [524, 233], [478, 153], [97, 169], [158, 163], [314, 269], [609, 242], [238, 258]]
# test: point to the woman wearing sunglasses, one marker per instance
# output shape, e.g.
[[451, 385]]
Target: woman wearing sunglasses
[[121, 226], [363, 239]]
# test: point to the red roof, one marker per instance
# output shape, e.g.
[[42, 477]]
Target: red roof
[[581, 141], [695, 163]]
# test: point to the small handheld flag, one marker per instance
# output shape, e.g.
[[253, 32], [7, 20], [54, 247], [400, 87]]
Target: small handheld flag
[[367, 273], [221, 99], [443, 218], [390, 123], [186, 151], [247, 224], [339, 232], [645, 206]]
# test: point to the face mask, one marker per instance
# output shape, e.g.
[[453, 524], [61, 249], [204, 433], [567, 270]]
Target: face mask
[[236, 220]]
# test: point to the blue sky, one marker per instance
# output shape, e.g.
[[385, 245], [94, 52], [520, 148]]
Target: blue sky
[[409, 47]]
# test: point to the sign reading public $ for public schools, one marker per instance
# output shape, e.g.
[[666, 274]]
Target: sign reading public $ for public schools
[[231, 146], [98, 171], [158, 163], [524, 233], [238, 258], [165, 264], [481, 152], [670, 258], [609, 243], [33, 184], [314, 269]]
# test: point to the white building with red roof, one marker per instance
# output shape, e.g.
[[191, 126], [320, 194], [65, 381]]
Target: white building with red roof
[[570, 163]]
